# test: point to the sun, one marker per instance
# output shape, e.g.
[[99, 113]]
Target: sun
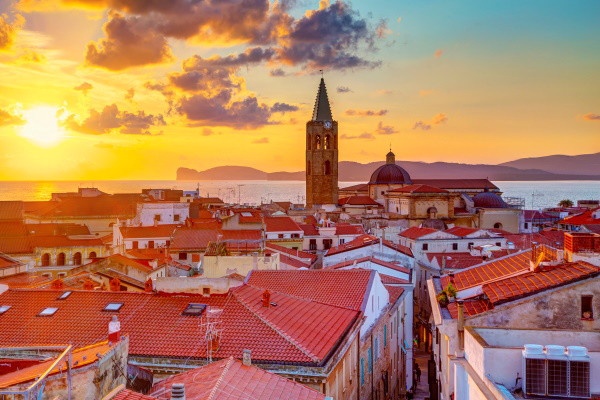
[[42, 126]]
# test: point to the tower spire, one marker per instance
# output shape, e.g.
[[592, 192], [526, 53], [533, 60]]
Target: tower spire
[[322, 111]]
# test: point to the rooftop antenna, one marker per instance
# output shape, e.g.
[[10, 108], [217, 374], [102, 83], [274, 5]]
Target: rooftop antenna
[[210, 323]]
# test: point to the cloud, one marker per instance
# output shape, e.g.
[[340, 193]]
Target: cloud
[[385, 129], [438, 53], [277, 72], [263, 140], [110, 118], [439, 119], [368, 136], [382, 30], [421, 125], [130, 42], [8, 30], [591, 117], [130, 93], [343, 89], [85, 87], [283, 108], [7, 118], [207, 132], [366, 113]]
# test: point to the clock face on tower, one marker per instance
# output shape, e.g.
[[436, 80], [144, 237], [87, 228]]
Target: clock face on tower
[[327, 124]]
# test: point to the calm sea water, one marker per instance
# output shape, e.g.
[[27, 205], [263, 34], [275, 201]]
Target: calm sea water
[[536, 194]]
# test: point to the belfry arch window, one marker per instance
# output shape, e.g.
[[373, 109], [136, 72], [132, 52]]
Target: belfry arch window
[[327, 143], [45, 259], [77, 258], [60, 259], [327, 168], [92, 254], [318, 142]]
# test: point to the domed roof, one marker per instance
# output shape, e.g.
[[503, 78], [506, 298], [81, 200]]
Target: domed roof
[[390, 173], [489, 200]]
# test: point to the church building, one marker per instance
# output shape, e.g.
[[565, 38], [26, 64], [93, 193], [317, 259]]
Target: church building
[[322, 155]]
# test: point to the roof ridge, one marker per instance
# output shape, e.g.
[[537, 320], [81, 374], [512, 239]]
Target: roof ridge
[[273, 326], [213, 392]]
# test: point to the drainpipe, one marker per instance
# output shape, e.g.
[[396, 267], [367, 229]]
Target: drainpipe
[[460, 324]]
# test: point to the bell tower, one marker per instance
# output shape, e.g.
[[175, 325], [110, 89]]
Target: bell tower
[[322, 154]]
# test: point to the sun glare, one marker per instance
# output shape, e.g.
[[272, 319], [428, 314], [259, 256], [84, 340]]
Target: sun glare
[[42, 126]]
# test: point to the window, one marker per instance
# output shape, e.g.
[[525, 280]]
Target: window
[[280, 235], [135, 244], [327, 168], [385, 335], [498, 225], [176, 217], [60, 259], [64, 295], [425, 246], [454, 246], [150, 244], [206, 291], [312, 245], [471, 244], [113, 307], [182, 256], [327, 243], [48, 311], [45, 260], [4, 309], [194, 309], [342, 241], [362, 371], [587, 311], [77, 258], [295, 235], [157, 217], [376, 346], [526, 225], [498, 244], [92, 254], [370, 359]]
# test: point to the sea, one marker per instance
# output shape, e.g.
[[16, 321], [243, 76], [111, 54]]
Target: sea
[[535, 195]]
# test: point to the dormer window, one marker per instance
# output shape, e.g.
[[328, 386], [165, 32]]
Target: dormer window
[[587, 311], [194, 309], [48, 311]]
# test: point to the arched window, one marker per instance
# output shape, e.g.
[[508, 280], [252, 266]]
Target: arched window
[[327, 168], [327, 143], [45, 259], [77, 258], [92, 254], [498, 225], [318, 142], [60, 259]]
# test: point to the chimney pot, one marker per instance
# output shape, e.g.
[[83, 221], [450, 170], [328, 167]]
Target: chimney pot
[[247, 357], [178, 391], [266, 298], [114, 330]]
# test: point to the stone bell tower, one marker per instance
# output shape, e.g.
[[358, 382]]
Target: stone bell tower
[[322, 154]]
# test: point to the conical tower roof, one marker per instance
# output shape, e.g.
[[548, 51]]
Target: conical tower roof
[[322, 111]]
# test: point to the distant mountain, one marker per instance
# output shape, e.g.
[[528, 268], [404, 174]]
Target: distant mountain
[[584, 164], [350, 171]]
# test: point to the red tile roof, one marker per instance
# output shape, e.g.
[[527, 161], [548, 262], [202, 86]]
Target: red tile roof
[[358, 201], [395, 292], [398, 247], [63, 241], [80, 357], [8, 262], [347, 263], [456, 260], [534, 282], [293, 262], [341, 288], [357, 243], [495, 270], [25, 280], [49, 229], [418, 188], [281, 224], [291, 252], [192, 239], [523, 241], [16, 245], [584, 218], [348, 229], [291, 331], [461, 231], [11, 210], [230, 379], [309, 229], [472, 307], [361, 187], [102, 206], [158, 231], [415, 232], [249, 216], [12, 229], [127, 394], [457, 184]]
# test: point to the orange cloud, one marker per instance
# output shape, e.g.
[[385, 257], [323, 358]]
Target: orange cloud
[[385, 129], [591, 117], [439, 119], [438, 53], [7, 118], [366, 113], [8, 30]]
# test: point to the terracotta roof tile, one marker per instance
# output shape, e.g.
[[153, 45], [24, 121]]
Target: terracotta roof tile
[[533, 282], [12, 229], [288, 332], [309, 229], [358, 201], [415, 232], [461, 231], [63, 241], [361, 187], [341, 288], [584, 218], [398, 247], [230, 379], [192, 239], [472, 307], [102, 206], [291, 252], [418, 188], [281, 224], [491, 271], [11, 210], [158, 231], [348, 229], [395, 292], [390, 265], [357, 243], [16, 245], [456, 260], [25, 280], [127, 394], [457, 184]]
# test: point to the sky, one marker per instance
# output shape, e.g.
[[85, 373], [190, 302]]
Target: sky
[[129, 89]]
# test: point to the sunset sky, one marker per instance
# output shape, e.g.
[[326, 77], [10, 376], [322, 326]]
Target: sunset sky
[[130, 89]]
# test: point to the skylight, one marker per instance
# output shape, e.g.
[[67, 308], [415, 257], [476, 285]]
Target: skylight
[[4, 309], [194, 309], [48, 311], [113, 307], [246, 214], [64, 295]]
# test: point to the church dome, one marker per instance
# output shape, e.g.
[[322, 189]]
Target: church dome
[[489, 200], [390, 173]]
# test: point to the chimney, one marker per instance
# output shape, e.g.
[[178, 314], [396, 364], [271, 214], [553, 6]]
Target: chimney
[[266, 298], [460, 324], [247, 357], [114, 330], [178, 391]]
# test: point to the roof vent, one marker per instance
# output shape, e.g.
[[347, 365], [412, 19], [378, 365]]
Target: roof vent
[[247, 357], [553, 350], [178, 391], [577, 351], [533, 350]]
